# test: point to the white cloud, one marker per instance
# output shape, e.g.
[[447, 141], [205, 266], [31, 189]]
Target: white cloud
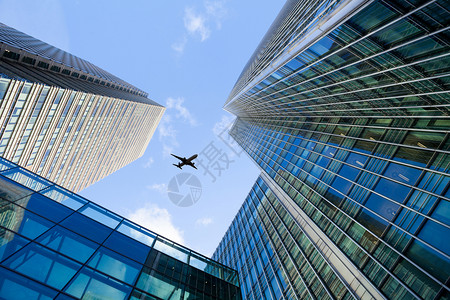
[[225, 123], [175, 112], [149, 163], [216, 10], [167, 134], [182, 111], [159, 187], [196, 23], [180, 45], [204, 221], [165, 127], [158, 220]]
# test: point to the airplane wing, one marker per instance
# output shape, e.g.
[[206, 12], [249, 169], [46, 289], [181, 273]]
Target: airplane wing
[[180, 158]]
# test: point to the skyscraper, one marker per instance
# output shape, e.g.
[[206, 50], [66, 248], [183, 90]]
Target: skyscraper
[[65, 118], [55, 244], [344, 107]]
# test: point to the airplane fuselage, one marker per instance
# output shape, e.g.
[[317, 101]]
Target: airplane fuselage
[[192, 157]]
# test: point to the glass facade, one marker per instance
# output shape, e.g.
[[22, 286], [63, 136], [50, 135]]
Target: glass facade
[[55, 244], [66, 119], [349, 126]]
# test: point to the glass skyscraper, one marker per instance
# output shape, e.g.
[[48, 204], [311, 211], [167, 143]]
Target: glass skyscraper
[[65, 118], [55, 244], [344, 107]]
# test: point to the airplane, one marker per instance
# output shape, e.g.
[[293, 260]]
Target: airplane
[[185, 161]]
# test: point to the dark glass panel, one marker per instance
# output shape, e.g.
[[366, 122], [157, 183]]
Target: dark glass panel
[[430, 140], [397, 32], [89, 284], [115, 265], [11, 191], [371, 222], [417, 280], [87, 227], [23, 221], [374, 15], [127, 246], [138, 295], [431, 261], [442, 212], [68, 243], [423, 48], [27, 178], [433, 234], [45, 207], [158, 285], [14, 286], [356, 159], [402, 173], [10, 243], [413, 156], [364, 146], [136, 232], [64, 197], [392, 190], [43, 265], [100, 214]]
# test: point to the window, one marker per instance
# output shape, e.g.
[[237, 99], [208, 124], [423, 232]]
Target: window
[[89, 284], [43, 65], [14, 286], [86, 227], [68, 243], [115, 265], [43, 265]]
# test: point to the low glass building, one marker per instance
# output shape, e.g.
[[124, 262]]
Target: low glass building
[[55, 244]]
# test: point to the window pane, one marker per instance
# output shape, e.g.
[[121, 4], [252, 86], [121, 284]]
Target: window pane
[[442, 212], [158, 285], [127, 246], [89, 284], [27, 179], [11, 191], [115, 265], [68, 243], [43, 265], [13, 286], [100, 214], [402, 173], [392, 190], [10, 243], [382, 206], [171, 249], [63, 196], [23, 221], [433, 234], [431, 261], [45, 207], [136, 232], [87, 227]]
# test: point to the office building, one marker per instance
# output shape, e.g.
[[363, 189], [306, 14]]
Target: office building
[[345, 109], [55, 244], [65, 118]]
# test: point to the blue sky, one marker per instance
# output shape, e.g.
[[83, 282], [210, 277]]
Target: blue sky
[[187, 55]]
